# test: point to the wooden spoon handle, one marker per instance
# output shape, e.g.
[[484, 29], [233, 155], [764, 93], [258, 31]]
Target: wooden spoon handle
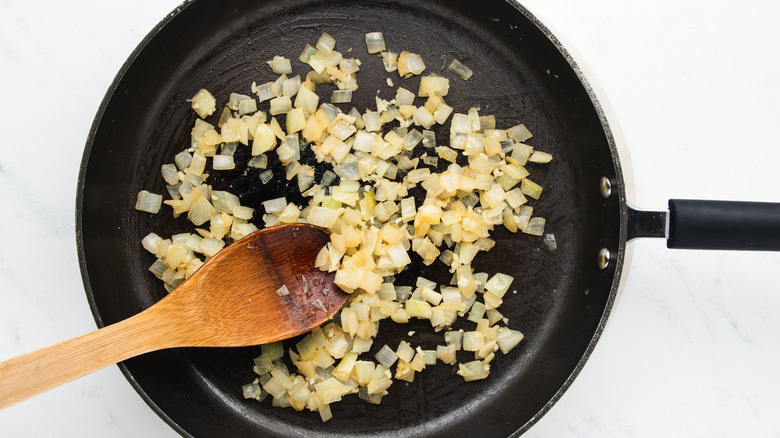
[[33, 373]]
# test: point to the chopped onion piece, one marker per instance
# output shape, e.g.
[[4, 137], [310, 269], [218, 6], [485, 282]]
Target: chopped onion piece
[[276, 205], [290, 86], [322, 217], [390, 61], [306, 53], [404, 97], [474, 370], [319, 305], [473, 341], [307, 100], [507, 339], [223, 201], [265, 92], [460, 70], [253, 390], [234, 101], [341, 96], [326, 43], [210, 246], [433, 85], [243, 212], [375, 42], [519, 133], [266, 176], [280, 65], [386, 356], [446, 354], [530, 188], [152, 243], [329, 390], [540, 157], [229, 148], [170, 174], [148, 202], [223, 162], [290, 214], [423, 117], [296, 121], [410, 64], [258, 162], [499, 284], [204, 103], [183, 160], [247, 106], [535, 226], [283, 291], [549, 240], [280, 105], [328, 178]]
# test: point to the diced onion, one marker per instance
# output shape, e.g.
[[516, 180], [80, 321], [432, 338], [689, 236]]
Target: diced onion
[[148, 202], [519, 133], [433, 85], [265, 92], [530, 188], [322, 217], [223, 162], [535, 226], [247, 106], [307, 100], [280, 105], [549, 240], [326, 43], [306, 53], [258, 162], [410, 64], [341, 96], [170, 173], [375, 42], [475, 370], [283, 291], [386, 356], [380, 199], [266, 176], [390, 61], [204, 103], [280, 65], [499, 284], [460, 70], [507, 339], [540, 157]]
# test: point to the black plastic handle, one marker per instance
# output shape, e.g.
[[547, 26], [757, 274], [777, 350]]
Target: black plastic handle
[[727, 225]]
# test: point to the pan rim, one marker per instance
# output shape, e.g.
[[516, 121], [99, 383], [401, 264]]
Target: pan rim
[[623, 183], [622, 188], [80, 247]]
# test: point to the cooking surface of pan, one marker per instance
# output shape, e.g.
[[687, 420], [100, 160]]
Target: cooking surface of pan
[[520, 77], [693, 336]]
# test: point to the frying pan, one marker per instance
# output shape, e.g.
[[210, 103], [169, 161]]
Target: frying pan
[[565, 295]]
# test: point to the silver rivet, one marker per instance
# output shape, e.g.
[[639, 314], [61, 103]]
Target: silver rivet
[[604, 258], [605, 186]]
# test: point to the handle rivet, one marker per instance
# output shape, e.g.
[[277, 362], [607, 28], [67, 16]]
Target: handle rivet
[[605, 187], [604, 258]]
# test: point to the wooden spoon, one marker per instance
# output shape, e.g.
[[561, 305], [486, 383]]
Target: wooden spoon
[[231, 301]]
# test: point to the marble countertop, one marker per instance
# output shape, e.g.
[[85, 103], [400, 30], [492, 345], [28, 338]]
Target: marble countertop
[[692, 346]]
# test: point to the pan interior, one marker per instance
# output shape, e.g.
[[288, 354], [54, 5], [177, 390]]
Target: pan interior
[[520, 76]]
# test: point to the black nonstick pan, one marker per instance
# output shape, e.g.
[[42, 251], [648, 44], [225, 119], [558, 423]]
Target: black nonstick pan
[[522, 75]]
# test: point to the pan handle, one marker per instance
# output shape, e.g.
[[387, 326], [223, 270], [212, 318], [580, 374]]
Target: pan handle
[[700, 224]]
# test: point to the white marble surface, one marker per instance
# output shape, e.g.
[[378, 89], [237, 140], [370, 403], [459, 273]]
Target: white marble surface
[[692, 347]]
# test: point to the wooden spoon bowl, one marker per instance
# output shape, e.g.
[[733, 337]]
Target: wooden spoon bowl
[[233, 300]]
